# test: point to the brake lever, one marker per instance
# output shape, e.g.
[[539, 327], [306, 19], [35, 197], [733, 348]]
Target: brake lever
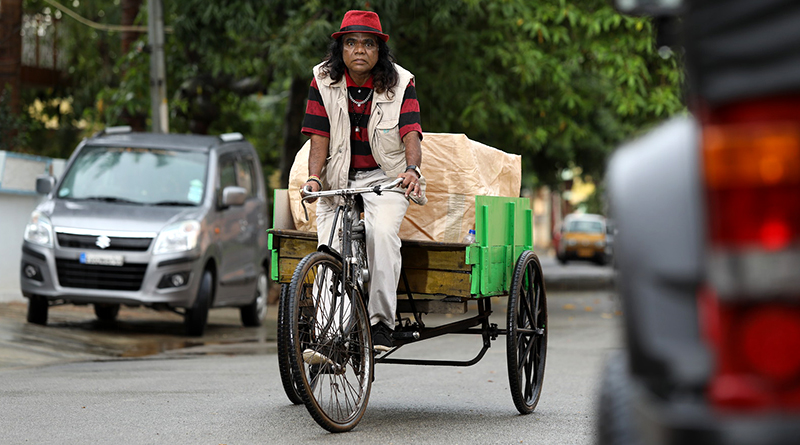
[[307, 189]]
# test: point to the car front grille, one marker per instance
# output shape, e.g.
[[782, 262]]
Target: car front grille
[[88, 242], [72, 273]]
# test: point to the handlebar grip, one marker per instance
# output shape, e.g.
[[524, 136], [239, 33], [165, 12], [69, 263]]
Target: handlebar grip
[[394, 183]]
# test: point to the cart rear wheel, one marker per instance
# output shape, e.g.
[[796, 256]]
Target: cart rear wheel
[[526, 342], [284, 353], [330, 344]]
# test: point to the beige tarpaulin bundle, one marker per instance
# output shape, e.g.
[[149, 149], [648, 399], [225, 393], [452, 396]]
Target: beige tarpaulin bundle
[[456, 168]]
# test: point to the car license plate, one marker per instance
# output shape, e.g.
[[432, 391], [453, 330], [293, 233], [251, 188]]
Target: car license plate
[[99, 259], [584, 253]]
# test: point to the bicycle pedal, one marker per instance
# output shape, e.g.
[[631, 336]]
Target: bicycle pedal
[[405, 335], [313, 357]]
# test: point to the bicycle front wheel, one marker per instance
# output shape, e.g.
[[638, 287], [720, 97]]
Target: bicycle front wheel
[[330, 343]]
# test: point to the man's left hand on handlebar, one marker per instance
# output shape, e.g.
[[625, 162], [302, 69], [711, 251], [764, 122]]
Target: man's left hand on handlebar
[[410, 182]]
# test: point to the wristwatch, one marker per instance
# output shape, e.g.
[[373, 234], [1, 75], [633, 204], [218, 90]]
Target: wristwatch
[[416, 170]]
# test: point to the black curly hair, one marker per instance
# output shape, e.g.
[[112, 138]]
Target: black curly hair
[[384, 78]]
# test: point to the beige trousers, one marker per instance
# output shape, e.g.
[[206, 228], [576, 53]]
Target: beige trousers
[[383, 215]]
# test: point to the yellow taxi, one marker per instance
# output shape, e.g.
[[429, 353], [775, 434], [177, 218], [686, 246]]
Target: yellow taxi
[[583, 237]]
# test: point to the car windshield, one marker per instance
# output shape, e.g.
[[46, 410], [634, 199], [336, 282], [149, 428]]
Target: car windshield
[[146, 176], [585, 226]]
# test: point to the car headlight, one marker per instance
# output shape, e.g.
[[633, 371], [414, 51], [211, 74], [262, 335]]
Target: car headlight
[[600, 243], [178, 237], [39, 230], [571, 242]]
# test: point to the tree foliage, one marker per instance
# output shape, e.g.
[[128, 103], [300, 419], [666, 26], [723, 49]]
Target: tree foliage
[[17, 126], [559, 82]]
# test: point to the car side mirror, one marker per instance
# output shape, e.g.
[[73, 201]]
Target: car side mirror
[[233, 196], [45, 184]]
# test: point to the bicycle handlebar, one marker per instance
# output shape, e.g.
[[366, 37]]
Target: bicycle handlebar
[[378, 189]]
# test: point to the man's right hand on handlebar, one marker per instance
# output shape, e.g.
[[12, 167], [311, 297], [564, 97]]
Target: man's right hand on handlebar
[[313, 182]]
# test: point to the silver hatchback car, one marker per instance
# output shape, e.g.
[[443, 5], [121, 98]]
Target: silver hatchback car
[[171, 222]]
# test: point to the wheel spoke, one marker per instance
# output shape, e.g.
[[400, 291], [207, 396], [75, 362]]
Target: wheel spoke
[[525, 350], [530, 372], [527, 346], [525, 298], [526, 312]]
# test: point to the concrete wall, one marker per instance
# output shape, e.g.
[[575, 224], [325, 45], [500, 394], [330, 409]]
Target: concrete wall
[[18, 198]]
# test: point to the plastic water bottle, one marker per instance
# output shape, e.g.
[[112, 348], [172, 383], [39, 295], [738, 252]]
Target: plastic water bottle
[[470, 237]]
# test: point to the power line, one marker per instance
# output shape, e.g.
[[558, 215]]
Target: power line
[[101, 26]]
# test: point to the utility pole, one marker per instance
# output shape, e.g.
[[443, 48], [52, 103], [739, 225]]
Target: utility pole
[[158, 77]]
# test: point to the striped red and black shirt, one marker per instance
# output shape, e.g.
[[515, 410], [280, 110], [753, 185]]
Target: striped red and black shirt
[[316, 119]]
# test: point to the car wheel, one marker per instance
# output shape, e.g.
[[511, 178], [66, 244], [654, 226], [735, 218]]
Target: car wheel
[[196, 317], [615, 422], [37, 310], [106, 312], [254, 313]]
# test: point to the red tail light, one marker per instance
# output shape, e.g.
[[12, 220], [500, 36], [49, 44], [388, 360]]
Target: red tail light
[[770, 338], [750, 311], [757, 354], [752, 172]]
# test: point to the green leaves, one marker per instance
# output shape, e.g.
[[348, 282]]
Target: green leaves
[[559, 82], [551, 80]]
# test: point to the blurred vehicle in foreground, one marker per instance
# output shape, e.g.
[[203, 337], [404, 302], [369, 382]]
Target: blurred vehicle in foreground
[[167, 221], [708, 250], [583, 236]]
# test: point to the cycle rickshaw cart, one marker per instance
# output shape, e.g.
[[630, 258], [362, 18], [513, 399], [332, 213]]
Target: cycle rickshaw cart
[[324, 345]]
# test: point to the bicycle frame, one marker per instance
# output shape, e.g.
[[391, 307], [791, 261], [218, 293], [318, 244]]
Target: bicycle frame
[[355, 272]]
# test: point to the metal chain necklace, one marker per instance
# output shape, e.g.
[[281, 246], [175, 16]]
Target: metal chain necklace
[[359, 104]]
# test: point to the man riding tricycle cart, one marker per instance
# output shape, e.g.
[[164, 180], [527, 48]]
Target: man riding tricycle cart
[[325, 344]]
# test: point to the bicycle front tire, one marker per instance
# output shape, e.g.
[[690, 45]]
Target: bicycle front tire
[[330, 344]]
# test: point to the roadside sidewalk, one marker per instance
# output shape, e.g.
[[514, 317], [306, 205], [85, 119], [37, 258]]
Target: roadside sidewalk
[[73, 333]]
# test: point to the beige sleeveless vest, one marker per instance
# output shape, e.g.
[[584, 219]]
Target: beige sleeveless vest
[[383, 129]]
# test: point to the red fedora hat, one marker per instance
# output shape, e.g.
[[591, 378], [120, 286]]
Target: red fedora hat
[[361, 21]]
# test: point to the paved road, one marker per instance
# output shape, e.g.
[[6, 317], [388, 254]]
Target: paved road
[[230, 393], [576, 275], [82, 381]]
